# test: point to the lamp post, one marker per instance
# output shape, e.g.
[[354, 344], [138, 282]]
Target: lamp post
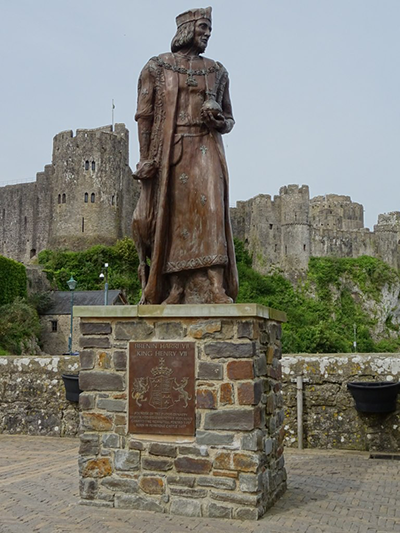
[[355, 337], [102, 276], [71, 284]]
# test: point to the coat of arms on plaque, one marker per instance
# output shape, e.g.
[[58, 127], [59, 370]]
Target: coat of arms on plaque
[[162, 390]]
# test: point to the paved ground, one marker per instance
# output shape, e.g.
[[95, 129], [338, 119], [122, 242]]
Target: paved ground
[[328, 492]]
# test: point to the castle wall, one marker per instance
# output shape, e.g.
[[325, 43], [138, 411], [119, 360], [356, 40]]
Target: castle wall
[[257, 224], [329, 242], [17, 212], [43, 212]]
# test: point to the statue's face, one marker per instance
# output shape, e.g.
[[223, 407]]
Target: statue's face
[[202, 32]]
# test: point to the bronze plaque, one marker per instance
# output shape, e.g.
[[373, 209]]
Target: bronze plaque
[[161, 388]]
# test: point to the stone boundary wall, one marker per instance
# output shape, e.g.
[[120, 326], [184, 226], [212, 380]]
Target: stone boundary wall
[[233, 467], [32, 396], [330, 419], [33, 400]]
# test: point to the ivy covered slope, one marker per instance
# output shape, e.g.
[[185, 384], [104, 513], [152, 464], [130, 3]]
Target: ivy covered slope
[[336, 295], [86, 267]]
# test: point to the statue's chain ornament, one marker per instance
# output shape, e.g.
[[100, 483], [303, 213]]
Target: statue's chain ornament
[[187, 71]]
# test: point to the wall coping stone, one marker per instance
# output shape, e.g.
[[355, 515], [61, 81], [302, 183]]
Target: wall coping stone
[[180, 311], [354, 356]]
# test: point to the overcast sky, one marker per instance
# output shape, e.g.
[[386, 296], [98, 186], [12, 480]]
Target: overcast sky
[[315, 86]]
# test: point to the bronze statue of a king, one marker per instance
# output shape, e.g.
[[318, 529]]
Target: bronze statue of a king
[[181, 224]]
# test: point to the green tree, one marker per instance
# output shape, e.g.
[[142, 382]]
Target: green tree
[[19, 327]]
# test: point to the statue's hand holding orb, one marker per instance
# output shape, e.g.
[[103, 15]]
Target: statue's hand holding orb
[[212, 115]]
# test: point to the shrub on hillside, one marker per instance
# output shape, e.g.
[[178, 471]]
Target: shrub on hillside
[[19, 328], [322, 311], [13, 280]]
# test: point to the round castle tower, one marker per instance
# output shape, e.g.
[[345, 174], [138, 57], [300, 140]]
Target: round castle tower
[[90, 172], [295, 226]]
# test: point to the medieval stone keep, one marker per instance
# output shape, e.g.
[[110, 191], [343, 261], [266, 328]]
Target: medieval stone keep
[[85, 197]]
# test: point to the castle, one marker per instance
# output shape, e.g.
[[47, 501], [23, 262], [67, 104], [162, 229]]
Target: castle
[[285, 232], [87, 195]]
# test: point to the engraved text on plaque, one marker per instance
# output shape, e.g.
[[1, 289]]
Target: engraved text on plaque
[[161, 388]]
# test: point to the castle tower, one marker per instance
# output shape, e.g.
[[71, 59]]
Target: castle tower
[[92, 193], [295, 227], [387, 238]]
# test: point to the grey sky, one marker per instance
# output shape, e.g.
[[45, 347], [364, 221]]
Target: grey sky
[[315, 86]]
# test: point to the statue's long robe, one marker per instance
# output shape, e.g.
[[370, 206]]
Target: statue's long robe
[[199, 236]]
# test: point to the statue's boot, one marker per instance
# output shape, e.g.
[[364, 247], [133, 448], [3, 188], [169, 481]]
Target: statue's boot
[[176, 293], [218, 294]]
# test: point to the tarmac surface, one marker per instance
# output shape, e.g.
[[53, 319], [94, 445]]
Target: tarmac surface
[[328, 491]]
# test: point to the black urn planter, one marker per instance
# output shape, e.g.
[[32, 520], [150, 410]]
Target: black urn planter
[[72, 390], [374, 396]]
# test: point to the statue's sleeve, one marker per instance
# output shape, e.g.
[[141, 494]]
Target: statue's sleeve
[[145, 108], [227, 108], [224, 99]]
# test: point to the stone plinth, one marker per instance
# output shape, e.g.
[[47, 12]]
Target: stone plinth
[[233, 465]]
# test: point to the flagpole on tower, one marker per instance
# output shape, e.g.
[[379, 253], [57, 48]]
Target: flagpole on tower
[[112, 115]]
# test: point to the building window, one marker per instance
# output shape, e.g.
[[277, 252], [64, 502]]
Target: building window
[[276, 247], [25, 223], [86, 165], [113, 199], [271, 226], [59, 198], [83, 224], [53, 325], [93, 165], [304, 247], [92, 198], [286, 250], [64, 198], [33, 252], [86, 197]]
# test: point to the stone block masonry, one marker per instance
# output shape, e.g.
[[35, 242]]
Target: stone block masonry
[[32, 396], [233, 466], [330, 419]]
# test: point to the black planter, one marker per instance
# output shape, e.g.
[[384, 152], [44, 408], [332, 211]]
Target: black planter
[[72, 390], [374, 396]]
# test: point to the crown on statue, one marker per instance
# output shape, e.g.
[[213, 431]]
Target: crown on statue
[[161, 369], [193, 14]]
